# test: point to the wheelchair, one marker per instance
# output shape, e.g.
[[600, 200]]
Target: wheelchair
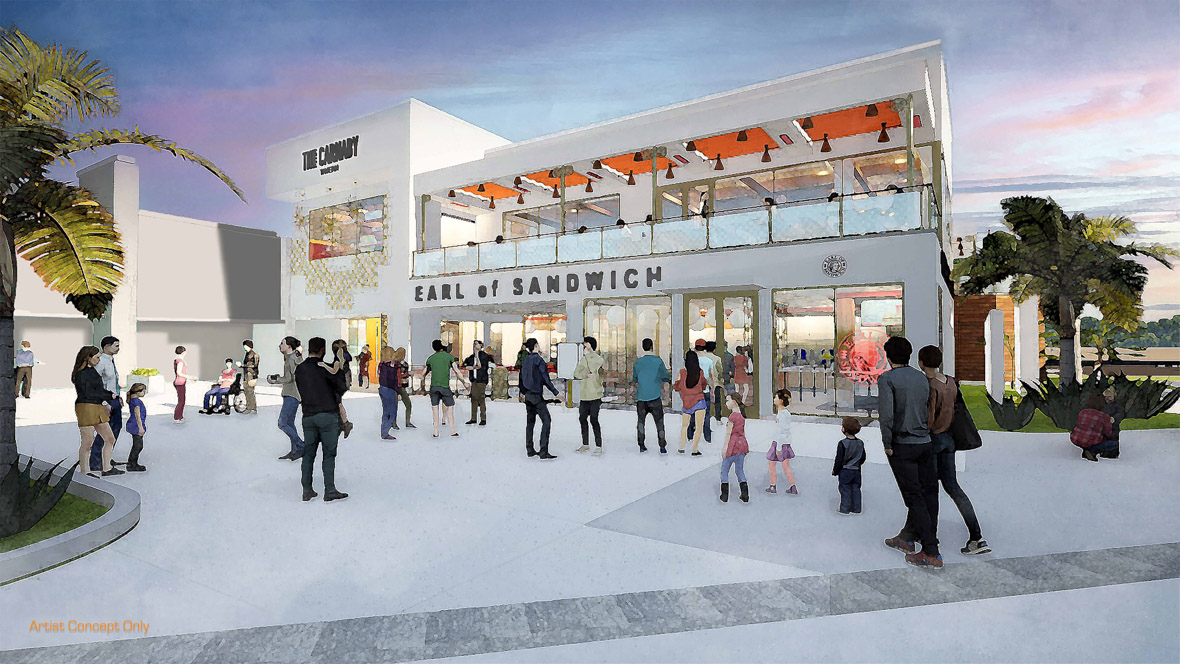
[[233, 400]]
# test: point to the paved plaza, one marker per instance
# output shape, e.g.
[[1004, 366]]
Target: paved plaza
[[463, 547]]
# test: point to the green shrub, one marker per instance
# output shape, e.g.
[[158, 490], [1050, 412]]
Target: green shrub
[[1010, 415], [1062, 403], [145, 372], [24, 502], [1143, 399]]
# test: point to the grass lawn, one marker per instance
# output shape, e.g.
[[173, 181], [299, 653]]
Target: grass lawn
[[69, 513], [975, 397]]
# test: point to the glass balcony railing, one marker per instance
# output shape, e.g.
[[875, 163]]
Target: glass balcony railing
[[909, 209]]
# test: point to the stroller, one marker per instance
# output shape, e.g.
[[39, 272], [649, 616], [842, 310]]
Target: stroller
[[233, 400]]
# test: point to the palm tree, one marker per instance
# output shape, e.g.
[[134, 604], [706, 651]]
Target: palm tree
[[67, 236], [1068, 262]]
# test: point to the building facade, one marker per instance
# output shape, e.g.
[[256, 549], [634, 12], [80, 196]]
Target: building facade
[[799, 222]]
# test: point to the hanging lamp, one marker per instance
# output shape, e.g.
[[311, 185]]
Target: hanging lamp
[[589, 186], [871, 111], [492, 203], [742, 136], [766, 153], [826, 147], [631, 178], [520, 199], [480, 188], [597, 165], [670, 175], [883, 137], [719, 166], [691, 146], [807, 123]]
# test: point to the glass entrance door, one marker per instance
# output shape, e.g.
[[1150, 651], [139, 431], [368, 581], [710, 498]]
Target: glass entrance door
[[731, 320]]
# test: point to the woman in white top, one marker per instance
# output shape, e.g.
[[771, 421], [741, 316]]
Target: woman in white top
[[782, 436]]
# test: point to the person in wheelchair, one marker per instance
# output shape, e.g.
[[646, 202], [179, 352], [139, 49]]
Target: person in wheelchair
[[215, 398]]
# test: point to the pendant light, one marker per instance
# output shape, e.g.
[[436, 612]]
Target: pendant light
[[691, 147], [871, 111], [597, 165], [451, 194], [516, 181], [556, 193], [826, 147], [670, 175], [520, 199], [492, 203], [742, 136], [766, 153], [589, 186], [719, 166], [631, 178], [638, 156], [552, 172], [883, 137], [480, 188], [807, 124]]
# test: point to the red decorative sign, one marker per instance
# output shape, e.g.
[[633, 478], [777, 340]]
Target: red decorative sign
[[861, 356]]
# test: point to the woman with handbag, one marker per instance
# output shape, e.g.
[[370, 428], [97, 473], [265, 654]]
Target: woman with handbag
[[782, 436]]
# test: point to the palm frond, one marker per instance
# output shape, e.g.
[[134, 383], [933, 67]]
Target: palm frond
[[70, 240], [26, 150], [97, 138], [1108, 229], [51, 84]]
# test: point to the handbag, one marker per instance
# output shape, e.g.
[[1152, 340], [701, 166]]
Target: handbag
[[963, 430], [788, 451]]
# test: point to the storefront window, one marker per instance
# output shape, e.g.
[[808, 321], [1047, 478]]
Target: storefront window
[[529, 223], [810, 183], [592, 213], [743, 192], [829, 346], [876, 172], [347, 229], [620, 326]]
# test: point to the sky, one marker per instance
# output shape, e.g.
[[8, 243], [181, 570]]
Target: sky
[[1076, 100]]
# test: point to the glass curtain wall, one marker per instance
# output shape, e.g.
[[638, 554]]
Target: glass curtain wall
[[620, 325], [829, 345]]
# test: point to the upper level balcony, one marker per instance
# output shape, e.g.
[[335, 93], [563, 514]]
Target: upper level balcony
[[893, 209]]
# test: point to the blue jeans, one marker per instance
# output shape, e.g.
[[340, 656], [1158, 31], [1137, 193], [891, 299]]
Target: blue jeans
[[388, 408], [321, 430], [692, 426], [215, 396], [1105, 447], [116, 428], [287, 424], [738, 460], [849, 491]]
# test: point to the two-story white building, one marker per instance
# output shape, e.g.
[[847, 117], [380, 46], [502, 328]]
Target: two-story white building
[[800, 222]]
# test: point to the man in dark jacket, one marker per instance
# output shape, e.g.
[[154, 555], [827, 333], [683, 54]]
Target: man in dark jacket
[[904, 399], [320, 394], [477, 364], [534, 376]]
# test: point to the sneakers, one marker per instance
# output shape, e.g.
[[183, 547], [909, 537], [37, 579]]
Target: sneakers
[[408, 426], [663, 450], [584, 448], [923, 560], [975, 547], [642, 449], [901, 545], [395, 427], [1089, 456], [597, 452], [680, 451], [772, 489], [697, 453], [793, 491]]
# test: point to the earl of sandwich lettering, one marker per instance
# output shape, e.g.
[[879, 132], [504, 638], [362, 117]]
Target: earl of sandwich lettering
[[327, 158], [571, 282]]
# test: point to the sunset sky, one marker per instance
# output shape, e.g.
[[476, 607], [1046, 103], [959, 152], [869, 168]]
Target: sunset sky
[[1075, 100]]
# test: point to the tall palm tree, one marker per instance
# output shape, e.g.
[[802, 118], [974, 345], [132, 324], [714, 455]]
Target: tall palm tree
[[68, 237], [1068, 262]]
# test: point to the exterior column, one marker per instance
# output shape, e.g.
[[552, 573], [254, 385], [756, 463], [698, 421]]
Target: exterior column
[[115, 184], [574, 332], [993, 354], [1027, 330], [764, 368], [678, 331]]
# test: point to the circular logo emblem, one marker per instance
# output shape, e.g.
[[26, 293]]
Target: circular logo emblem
[[861, 356], [835, 265]]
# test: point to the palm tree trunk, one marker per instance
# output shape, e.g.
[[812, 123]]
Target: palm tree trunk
[[7, 358], [1068, 332]]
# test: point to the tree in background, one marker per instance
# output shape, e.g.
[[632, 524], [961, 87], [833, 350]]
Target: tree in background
[[1068, 262], [67, 236]]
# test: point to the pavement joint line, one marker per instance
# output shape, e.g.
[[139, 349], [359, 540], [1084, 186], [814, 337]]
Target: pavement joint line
[[507, 627]]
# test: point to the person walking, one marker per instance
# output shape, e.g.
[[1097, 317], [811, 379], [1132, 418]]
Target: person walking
[[706, 364], [904, 395], [24, 369], [92, 413], [780, 446], [717, 380], [649, 375], [387, 384], [742, 380], [940, 413], [692, 386], [110, 380], [850, 456], [320, 393], [403, 384], [478, 363], [440, 366], [289, 347], [589, 371], [736, 449], [136, 425], [534, 377], [249, 366], [362, 375], [180, 381]]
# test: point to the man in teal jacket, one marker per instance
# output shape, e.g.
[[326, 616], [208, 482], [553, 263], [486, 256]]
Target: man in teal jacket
[[649, 375]]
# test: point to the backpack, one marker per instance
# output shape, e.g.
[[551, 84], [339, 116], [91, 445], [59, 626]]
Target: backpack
[[963, 430]]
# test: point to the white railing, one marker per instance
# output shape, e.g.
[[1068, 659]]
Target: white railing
[[911, 208]]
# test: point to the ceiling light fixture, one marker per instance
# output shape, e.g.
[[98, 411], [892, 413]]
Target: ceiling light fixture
[[807, 124], [553, 172], [492, 203], [766, 153], [691, 146], [631, 178], [556, 193], [638, 156], [670, 175], [871, 111], [826, 147], [517, 181], [719, 166], [883, 137], [589, 186], [520, 199], [451, 194], [480, 188], [742, 136], [597, 164]]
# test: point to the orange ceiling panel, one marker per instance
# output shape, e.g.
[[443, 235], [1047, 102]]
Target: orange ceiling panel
[[625, 163], [572, 180], [491, 189], [852, 121], [727, 145]]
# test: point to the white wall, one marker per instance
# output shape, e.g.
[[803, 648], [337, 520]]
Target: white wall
[[55, 343]]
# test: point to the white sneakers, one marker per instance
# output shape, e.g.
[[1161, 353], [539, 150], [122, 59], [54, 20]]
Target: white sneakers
[[584, 448], [597, 451]]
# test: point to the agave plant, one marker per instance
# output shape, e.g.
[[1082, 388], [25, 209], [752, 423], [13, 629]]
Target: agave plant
[[1010, 415], [1143, 398], [1062, 403], [24, 502]]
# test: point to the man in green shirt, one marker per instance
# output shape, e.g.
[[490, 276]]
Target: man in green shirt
[[440, 366]]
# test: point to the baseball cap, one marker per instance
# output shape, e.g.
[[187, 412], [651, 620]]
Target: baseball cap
[[699, 342]]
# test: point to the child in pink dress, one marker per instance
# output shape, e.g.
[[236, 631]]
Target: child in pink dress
[[736, 449]]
